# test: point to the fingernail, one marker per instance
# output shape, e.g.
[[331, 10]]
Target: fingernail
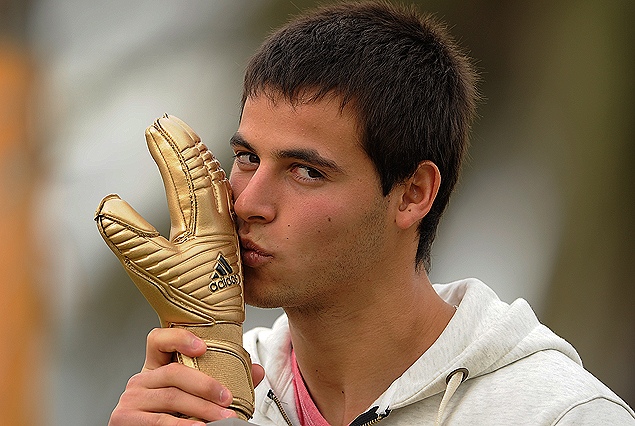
[[225, 396], [198, 344], [227, 413]]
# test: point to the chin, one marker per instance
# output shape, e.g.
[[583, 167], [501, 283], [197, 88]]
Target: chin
[[262, 302], [268, 297], [256, 295]]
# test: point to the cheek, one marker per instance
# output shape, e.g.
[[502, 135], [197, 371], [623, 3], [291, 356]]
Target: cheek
[[335, 241], [320, 225]]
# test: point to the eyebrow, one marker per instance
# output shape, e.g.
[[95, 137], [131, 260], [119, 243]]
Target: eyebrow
[[307, 155], [238, 141]]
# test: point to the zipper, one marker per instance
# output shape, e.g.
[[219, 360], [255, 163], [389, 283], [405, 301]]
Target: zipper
[[275, 399], [377, 419], [370, 422]]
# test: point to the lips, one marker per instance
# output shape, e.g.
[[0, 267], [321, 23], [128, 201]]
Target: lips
[[252, 255]]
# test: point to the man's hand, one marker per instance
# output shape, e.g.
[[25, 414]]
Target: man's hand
[[164, 388], [193, 280]]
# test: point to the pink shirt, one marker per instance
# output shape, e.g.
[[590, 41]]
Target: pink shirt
[[308, 413]]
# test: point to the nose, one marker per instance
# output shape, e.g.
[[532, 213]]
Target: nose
[[253, 195]]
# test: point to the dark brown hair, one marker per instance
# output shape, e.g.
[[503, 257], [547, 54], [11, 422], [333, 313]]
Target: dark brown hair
[[413, 91]]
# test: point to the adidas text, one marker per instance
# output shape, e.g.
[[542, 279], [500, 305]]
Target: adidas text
[[223, 282]]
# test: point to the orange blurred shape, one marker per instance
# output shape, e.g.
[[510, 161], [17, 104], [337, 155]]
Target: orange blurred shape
[[20, 309]]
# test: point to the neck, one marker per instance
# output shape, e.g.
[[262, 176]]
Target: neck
[[350, 352]]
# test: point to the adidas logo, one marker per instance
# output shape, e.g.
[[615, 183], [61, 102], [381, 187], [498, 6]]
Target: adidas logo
[[223, 275]]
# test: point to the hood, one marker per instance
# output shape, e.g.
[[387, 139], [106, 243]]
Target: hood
[[484, 335]]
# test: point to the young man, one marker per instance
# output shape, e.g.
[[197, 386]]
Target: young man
[[354, 125]]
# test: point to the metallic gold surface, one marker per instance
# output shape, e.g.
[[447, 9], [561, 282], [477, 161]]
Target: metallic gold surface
[[194, 279]]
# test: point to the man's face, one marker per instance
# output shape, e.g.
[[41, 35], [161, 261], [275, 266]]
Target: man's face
[[311, 216]]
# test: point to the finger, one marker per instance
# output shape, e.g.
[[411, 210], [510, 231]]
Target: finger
[[133, 240], [131, 417], [163, 342], [220, 184], [153, 407], [186, 127], [179, 154], [114, 216], [186, 379], [168, 142], [257, 374], [175, 388]]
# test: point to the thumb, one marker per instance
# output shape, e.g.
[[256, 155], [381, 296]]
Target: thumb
[[123, 229], [257, 373]]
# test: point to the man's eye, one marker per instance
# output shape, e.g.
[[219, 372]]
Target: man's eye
[[247, 158], [246, 161], [308, 172]]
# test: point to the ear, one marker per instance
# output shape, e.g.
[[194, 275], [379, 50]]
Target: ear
[[417, 194]]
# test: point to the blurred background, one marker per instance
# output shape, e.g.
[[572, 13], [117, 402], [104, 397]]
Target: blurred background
[[545, 209]]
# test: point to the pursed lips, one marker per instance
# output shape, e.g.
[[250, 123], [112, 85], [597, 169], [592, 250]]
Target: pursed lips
[[253, 255]]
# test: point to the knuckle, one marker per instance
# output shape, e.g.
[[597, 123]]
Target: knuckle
[[170, 396], [172, 370], [117, 418], [153, 335], [135, 381], [127, 400]]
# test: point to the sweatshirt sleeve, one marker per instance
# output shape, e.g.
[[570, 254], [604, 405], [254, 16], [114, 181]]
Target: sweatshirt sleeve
[[598, 411]]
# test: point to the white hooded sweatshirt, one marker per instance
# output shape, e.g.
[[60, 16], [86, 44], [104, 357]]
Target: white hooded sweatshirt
[[518, 373]]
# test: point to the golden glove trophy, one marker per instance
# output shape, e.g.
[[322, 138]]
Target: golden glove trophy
[[194, 279]]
